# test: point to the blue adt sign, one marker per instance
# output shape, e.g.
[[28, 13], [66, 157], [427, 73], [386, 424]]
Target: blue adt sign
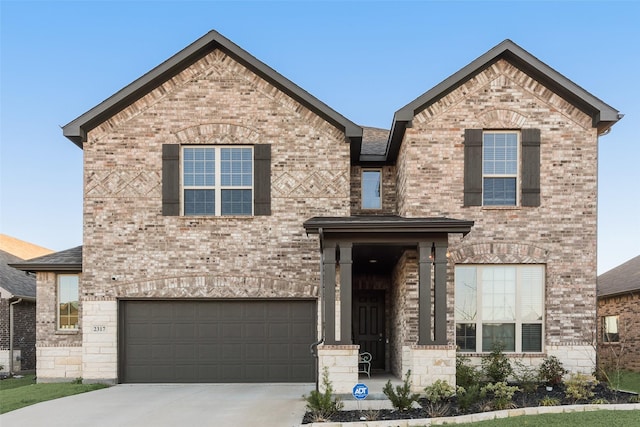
[[360, 391]]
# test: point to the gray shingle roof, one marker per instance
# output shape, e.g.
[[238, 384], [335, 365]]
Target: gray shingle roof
[[621, 279], [67, 260], [374, 141], [17, 282]]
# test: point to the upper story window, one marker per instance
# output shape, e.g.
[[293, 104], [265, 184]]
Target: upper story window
[[217, 180], [371, 189], [68, 301], [499, 303], [499, 168], [502, 168]]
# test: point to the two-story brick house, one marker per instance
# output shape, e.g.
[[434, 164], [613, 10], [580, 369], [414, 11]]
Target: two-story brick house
[[233, 222]]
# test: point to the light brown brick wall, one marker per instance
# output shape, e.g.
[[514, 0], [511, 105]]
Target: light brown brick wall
[[560, 233], [47, 334], [626, 353], [131, 250]]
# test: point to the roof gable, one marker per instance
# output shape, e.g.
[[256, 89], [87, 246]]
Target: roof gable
[[603, 116], [621, 279], [77, 129]]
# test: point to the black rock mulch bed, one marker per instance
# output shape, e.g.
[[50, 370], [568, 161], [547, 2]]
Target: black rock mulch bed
[[520, 400]]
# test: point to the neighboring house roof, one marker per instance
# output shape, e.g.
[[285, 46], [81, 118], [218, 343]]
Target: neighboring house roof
[[77, 130], [603, 116], [621, 279], [20, 248], [67, 260], [14, 281]]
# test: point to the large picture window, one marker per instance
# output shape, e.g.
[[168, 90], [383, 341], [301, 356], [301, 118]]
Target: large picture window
[[499, 303], [217, 180], [68, 301]]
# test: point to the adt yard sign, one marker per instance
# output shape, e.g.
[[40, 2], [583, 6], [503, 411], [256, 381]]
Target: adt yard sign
[[360, 391]]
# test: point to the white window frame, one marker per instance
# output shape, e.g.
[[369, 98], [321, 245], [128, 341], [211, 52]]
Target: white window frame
[[217, 187], [518, 165], [379, 170], [518, 321], [58, 295], [605, 329]]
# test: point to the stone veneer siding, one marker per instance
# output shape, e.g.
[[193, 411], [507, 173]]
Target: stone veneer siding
[[560, 233], [626, 353], [132, 251], [58, 353]]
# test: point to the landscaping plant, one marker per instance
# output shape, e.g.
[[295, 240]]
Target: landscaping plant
[[469, 397], [466, 374], [526, 376], [323, 405], [579, 387], [501, 395], [496, 366], [552, 371], [401, 398]]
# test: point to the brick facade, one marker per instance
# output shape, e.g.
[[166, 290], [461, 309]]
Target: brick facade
[[131, 250], [24, 339], [623, 354]]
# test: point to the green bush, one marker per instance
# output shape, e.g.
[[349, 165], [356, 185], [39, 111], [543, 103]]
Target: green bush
[[466, 374], [527, 376], [552, 371], [496, 366], [501, 395], [470, 396], [439, 391], [401, 398], [323, 405], [580, 387], [549, 401]]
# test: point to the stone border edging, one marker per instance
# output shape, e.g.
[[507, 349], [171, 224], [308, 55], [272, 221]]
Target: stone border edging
[[483, 416]]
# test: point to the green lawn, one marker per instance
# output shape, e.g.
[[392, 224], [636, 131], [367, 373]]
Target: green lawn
[[625, 380], [17, 393], [579, 419]]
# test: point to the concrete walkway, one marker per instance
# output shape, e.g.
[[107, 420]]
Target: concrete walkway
[[215, 405]]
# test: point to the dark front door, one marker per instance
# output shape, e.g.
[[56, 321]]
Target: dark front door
[[368, 325]]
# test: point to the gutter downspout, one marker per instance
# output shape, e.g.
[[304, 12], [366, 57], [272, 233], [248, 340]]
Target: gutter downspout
[[11, 327], [314, 347]]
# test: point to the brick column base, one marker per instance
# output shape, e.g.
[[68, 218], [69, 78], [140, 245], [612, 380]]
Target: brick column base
[[429, 363]]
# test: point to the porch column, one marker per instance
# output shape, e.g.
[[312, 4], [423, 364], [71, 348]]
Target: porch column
[[440, 276], [424, 293], [329, 286], [345, 293]]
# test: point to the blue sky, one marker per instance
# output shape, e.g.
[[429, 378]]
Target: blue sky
[[364, 59]]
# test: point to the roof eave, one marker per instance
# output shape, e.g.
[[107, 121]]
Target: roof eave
[[77, 130], [34, 268]]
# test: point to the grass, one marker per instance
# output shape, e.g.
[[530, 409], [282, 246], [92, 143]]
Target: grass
[[17, 393], [625, 380], [577, 419]]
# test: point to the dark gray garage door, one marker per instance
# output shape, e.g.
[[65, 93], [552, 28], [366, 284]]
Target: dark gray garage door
[[216, 341]]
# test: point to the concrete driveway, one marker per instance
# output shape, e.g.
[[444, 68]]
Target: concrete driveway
[[219, 405]]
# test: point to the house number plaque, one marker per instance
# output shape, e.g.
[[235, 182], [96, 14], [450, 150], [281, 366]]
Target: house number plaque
[[99, 328]]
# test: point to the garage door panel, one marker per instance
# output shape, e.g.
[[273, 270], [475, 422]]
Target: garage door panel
[[217, 341]]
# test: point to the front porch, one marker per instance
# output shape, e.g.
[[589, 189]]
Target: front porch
[[384, 291]]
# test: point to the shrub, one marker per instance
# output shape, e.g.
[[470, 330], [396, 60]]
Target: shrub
[[321, 405], [496, 366], [527, 376], [580, 387], [439, 391], [502, 395], [466, 374], [600, 401], [552, 371], [549, 401], [470, 396], [401, 398], [438, 409]]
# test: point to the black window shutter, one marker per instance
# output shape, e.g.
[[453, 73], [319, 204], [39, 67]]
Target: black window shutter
[[262, 179], [170, 179], [473, 167], [530, 167]]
